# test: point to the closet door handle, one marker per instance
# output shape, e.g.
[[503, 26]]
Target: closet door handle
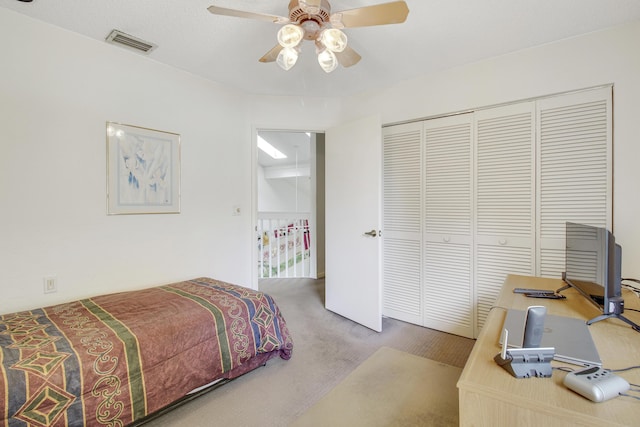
[[371, 233]]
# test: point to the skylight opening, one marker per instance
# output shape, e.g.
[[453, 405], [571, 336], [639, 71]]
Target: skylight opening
[[270, 149]]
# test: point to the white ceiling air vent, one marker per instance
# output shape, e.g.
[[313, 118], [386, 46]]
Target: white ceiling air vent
[[131, 42]]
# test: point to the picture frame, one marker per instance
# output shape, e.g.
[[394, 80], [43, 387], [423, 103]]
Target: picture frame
[[143, 170]]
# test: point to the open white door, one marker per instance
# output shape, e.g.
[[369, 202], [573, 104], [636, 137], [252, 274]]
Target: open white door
[[353, 168]]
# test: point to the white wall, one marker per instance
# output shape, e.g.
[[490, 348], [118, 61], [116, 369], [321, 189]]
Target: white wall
[[57, 90], [295, 113], [279, 194]]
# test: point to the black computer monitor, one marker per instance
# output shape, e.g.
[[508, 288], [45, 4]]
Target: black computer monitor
[[593, 267]]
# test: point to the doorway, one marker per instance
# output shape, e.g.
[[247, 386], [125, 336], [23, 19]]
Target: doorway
[[290, 204]]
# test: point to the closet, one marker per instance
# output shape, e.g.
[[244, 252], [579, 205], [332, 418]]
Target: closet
[[470, 198]]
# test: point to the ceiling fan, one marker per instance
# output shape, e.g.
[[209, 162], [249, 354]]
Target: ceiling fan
[[312, 20]]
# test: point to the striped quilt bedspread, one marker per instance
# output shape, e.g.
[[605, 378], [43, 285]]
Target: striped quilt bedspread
[[113, 359]]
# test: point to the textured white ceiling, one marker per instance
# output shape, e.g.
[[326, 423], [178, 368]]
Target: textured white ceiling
[[438, 34]]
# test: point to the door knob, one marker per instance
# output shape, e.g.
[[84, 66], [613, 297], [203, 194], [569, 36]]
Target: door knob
[[371, 233]]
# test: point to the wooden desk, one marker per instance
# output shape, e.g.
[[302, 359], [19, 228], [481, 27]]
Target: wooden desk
[[490, 396]]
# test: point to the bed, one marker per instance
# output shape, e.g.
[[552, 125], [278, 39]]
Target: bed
[[113, 360]]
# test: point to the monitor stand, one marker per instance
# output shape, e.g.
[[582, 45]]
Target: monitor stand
[[619, 309], [617, 316]]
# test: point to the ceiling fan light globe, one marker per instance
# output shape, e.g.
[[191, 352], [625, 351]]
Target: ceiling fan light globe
[[327, 60], [334, 39], [290, 35], [287, 58]]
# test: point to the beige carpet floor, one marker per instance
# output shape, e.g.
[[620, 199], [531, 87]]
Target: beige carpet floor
[[390, 388], [327, 349]]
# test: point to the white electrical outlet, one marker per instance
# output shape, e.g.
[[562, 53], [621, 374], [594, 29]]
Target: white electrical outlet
[[50, 284]]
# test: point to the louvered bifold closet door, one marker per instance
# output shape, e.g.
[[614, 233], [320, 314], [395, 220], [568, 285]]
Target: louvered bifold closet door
[[402, 228], [575, 170], [448, 296], [505, 199]]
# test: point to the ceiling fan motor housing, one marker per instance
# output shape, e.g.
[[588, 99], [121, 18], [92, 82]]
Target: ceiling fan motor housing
[[300, 17]]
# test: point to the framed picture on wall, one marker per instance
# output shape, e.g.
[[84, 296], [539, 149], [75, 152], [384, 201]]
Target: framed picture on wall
[[143, 170]]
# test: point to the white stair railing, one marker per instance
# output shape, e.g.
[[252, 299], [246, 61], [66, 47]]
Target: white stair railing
[[283, 244]]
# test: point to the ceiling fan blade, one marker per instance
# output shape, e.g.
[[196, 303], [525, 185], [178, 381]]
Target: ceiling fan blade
[[380, 14], [348, 57], [272, 55], [251, 15]]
